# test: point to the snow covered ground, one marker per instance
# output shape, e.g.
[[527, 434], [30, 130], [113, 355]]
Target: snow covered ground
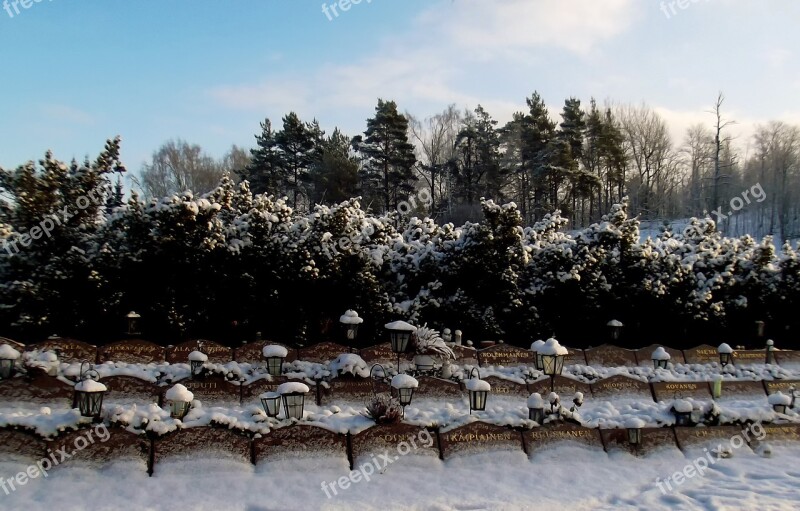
[[565, 478]]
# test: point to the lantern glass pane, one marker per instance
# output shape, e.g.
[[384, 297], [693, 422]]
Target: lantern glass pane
[[272, 406], [196, 366], [352, 331], [478, 399], [293, 405], [405, 396], [539, 362], [6, 368], [178, 409], [549, 365], [400, 341], [779, 408], [274, 366], [635, 436], [559, 364], [536, 414], [90, 404]]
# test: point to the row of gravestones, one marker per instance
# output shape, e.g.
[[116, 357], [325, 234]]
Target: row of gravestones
[[370, 446], [215, 390], [137, 351]]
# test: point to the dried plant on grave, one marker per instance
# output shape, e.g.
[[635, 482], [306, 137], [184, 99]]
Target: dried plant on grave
[[428, 341], [384, 409]]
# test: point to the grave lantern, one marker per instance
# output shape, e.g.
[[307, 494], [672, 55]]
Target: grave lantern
[[88, 392], [271, 401], [615, 327], [274, 356], [180, 400], [577, 399], [780, 401], [536, 408], [553, 355], [133, 323], [554, 400], [770, 355], [660, 358], [538, 357], [8, 357], [634, 427], [350, 321], [478, 391], [197, 359], [400, 334], [725, 354], [293, 395], [760, 329], [405, 386], [682, 410]]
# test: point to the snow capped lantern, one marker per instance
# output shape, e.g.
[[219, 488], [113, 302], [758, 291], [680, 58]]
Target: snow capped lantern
[[682, 410], [133, 323], [780, 401], [634, 425], [660, 358], [478, 391], [535, 349], [404, 385], [554, 400], [577, 399], [271, 401], [615, 327], [553, 355], [725, 354], [400, 334], [536, 407], [197, 359], [88, 392], [350, 320], [274, 355], [180, 399], [770, 358], [293, 395], [8, 357]]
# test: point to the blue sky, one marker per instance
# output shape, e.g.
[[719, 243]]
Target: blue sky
[[78, 72]]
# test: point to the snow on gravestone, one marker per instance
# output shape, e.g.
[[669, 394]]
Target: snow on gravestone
[[377, 440], [212, 390], [41, 389], [563, 386], [217, 353], [253, 353], [667, 391], [784, 386], [70, 350], [539, 439], [620, 386], [114, 444], [322, 352], [653, 439], [21, 445], [775, 433], [350, 388], [705, 437], [130, 388], [503, 387], [132, 352], [644, 356], [479, 437], [200, 442], [742, 389], [608, 355], [437, 388], [299, 441], [506, 355], [252, 391], [703, 354]]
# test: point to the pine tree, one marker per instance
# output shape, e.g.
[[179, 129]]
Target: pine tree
[[388, 155], [335, 175], [296, 143], [264, 171]]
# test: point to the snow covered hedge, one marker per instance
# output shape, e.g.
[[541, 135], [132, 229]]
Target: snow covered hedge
[[197, 265]]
